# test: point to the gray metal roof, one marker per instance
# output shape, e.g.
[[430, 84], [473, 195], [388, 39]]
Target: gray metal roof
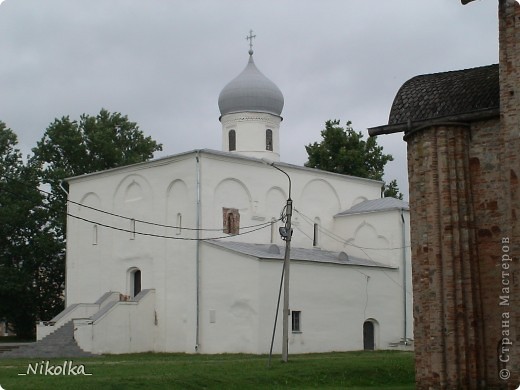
[[277, 252], [251, 91], [375, 205]]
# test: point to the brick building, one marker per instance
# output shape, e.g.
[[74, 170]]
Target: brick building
[[462, 132]]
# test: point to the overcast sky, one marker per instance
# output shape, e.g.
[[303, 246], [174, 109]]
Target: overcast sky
[[163, 63]]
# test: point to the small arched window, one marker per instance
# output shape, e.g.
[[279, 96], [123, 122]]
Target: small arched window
[[179, 223], [135, 281], [316, 232], [132, 229], [273, 229], [232, 140], [95, 234], [269, 139]]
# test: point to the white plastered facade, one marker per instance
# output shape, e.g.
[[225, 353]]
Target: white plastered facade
[[200, 296], [152, 266]]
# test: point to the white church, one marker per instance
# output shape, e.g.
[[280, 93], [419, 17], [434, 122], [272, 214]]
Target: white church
[[183, 253]]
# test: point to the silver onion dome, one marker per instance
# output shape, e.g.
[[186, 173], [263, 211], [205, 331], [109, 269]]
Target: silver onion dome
[[250, 91]]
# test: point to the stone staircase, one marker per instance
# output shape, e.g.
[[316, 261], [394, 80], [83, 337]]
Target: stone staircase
[[59, 344], [4, 347]]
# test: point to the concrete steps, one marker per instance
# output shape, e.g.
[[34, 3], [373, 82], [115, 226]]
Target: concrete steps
[[60, 343], [4, 347]]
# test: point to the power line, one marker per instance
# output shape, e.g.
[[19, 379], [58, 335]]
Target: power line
[[257, 227], [341, 239], [143, 221], [163, 236]]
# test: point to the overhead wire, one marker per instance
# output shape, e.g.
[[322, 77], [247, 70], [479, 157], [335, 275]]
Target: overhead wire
[[133, 231], [144, 221], [254, 228], [267, 224], [341, 240]]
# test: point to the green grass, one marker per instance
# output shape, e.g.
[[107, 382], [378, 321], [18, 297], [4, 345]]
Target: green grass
[[353, 370]]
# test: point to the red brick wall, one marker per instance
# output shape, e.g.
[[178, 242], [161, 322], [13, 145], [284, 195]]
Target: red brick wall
[[509, 163], [447, 308], [464, 201]]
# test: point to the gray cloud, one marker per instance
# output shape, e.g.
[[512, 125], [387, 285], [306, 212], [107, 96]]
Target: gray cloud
[[163, 63]]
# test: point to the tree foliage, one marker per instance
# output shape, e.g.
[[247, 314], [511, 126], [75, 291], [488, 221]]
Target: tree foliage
[[30, 259], [94, 143], [392, 190], [32, 223], [343, 150]]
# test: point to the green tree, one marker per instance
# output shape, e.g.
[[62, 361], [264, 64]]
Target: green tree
[[343, 150], [29, 256], [392, 190], [32, 225], [94, 143]]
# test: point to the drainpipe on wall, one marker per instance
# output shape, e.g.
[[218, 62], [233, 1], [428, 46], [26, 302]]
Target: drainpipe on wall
[[197, 253], [404, 279], [62, 187]]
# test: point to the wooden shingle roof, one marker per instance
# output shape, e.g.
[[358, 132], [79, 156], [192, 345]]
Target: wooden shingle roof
[[463, 94]]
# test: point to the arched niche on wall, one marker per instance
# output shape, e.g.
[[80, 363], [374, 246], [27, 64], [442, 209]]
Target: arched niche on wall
[[231, 193], [319, 198], [179, 207]]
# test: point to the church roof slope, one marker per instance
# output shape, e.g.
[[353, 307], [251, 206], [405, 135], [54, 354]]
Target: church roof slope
[[216, 154], [276, 252], [375, 205], [462, 94]]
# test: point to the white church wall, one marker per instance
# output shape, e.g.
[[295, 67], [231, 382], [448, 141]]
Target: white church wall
[[376, 235], [232, 193], [95, 269], [165, 191], [318, 197], [318, 201], [275, 201], [127, 327], [85, 241], [229, 304], [260, 193], [176, 276], [379, 236], [177, 301], [334, 302]]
